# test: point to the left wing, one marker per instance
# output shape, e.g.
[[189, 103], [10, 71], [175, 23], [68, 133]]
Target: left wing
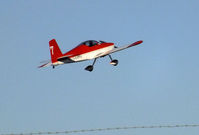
[[120, 48]]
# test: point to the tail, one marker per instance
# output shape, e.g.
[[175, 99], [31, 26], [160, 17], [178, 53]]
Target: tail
[[55, 52]]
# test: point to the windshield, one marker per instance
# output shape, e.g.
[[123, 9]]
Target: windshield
[[89, 43], [102, 41]]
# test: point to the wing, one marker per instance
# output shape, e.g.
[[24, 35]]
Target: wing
[[121, 48]]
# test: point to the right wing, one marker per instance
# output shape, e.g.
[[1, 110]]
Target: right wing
[[120, 48]]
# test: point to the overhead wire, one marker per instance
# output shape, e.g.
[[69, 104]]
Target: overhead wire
[[105, 129]]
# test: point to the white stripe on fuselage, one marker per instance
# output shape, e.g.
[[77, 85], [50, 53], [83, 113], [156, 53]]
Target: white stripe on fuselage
[[92, 54]]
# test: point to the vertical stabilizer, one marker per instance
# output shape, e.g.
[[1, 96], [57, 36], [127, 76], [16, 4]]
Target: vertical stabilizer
[[55, 52]]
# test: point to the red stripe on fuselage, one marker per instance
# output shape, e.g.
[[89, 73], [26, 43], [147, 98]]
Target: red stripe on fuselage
[[82, 49]]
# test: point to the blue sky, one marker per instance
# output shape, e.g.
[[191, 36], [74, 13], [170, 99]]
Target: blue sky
[[154, 83]]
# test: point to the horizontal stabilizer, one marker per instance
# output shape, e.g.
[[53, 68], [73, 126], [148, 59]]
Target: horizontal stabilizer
[[46, 65]]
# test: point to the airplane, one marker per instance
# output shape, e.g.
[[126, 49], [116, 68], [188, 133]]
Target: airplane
[[87, 50]]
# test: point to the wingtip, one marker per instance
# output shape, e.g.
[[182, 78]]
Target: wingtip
[[137, 43]]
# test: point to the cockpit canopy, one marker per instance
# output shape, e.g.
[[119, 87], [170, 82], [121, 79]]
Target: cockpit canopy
[[91, 43]]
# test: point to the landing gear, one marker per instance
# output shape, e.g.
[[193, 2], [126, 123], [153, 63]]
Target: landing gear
[[113, 62], [90, 67]]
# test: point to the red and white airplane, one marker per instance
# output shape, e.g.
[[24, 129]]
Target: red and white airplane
[[87, 50]]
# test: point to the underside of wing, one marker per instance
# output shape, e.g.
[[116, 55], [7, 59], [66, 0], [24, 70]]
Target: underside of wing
[[121, 48]]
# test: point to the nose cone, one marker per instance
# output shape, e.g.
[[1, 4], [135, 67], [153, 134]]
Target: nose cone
[[111, 43]]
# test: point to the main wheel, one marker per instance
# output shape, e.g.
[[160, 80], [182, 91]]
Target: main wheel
[[114, 62], [89, 68]]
